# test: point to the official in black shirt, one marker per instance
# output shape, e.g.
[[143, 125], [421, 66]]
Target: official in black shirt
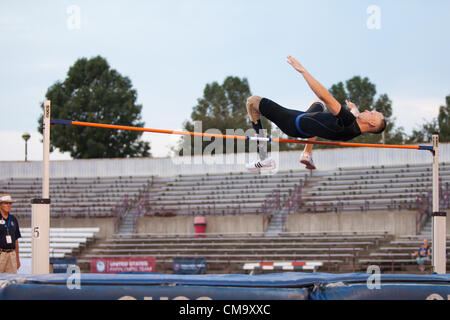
[[9, 235]]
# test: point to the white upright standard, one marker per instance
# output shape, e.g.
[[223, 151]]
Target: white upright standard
[[40, 208], [439, 223]]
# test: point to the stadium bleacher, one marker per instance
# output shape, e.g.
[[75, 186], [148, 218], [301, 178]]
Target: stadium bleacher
[[72, 197], [336, 252], [240, 193], [375, 188], [64, 242], [397, 254]]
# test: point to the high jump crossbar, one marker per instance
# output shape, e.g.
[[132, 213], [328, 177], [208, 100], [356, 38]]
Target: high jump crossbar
[[248, 138]]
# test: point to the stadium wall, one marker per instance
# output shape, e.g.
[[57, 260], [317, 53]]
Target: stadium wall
[[214, 224], [325, 159], [394, 222]]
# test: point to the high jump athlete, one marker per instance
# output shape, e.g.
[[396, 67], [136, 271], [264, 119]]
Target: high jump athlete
[[339, 124]]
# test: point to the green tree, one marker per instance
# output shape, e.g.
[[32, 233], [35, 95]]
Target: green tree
[[361, 92], [444, 121], [339, 93], [424, 133], [440, 125], [221, 108], [93, 92]]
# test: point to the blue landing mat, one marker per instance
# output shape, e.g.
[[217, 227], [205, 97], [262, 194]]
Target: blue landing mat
[[275, 286]]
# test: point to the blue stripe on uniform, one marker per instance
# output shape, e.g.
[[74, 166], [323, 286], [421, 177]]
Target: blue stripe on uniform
[[297, 126]]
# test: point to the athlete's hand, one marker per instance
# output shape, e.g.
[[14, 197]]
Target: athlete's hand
[[353, 108], [297, 65], [350, 104]]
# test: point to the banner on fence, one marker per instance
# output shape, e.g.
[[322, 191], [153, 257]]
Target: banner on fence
[[62, 265], [189, 265], [123, 264]]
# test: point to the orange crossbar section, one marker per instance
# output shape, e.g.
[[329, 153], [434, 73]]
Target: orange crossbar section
[[225, 136], [186, 133], [350, 144]]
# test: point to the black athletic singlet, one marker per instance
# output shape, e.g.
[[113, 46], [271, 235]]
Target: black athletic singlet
[[294, 123]]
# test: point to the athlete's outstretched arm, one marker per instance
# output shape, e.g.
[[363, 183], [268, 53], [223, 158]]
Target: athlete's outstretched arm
[[323, 94]]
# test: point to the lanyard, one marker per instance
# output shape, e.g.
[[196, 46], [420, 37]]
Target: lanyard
[[8, 223]]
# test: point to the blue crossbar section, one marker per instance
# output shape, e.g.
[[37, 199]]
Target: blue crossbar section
[[276, 286], [60, 121], [430, 148]]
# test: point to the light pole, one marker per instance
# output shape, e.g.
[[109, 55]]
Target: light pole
[[26, 137]]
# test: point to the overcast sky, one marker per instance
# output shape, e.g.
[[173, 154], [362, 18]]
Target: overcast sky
[[171, 49]]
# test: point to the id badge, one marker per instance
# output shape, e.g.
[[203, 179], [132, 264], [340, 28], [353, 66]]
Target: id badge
[[8, 239]]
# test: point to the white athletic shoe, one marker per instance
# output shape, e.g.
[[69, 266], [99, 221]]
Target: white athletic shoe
[[307, 160], [266, 164]]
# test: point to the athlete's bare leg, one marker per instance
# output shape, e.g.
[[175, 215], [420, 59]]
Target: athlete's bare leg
[[306, 157], [253, 108], [255, 117]]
